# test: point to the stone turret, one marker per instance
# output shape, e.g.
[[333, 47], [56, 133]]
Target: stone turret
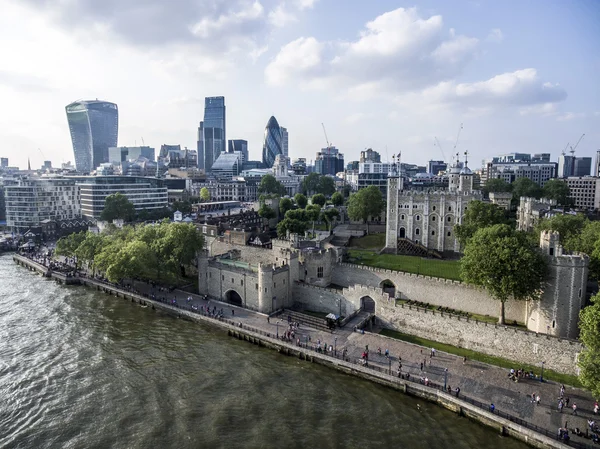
[[557, 312], [265, 289], [203, 272]]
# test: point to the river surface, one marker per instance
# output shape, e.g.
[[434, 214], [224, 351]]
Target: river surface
[[80, 369]]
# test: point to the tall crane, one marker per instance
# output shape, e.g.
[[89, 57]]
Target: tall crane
[[328, 148], [566, 146], [576, 145], [457, 137], [439, 145]]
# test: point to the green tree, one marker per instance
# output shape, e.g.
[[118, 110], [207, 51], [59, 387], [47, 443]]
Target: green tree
[[525, 187], [313, 212], [301, 200], [496, 185], [337, 199], [67, 245], [266, 212], [326, 185], [270, 185], [557, 189], [365, 203], [570, 228], [589, 359], [184, 207], [505, 263], [310, 184], [117, 206], [292, 225], [479, 215], [319, 199], [285, 204], [204, 194], [89, 247], [329, 216]]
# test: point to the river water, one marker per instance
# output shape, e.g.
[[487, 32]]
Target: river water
[[80, 369]]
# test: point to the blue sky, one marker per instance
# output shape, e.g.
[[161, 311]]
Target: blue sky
[[390, 75]]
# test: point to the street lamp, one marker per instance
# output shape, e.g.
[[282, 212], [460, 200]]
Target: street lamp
[[542, 375], [445, 378], [335, 346]]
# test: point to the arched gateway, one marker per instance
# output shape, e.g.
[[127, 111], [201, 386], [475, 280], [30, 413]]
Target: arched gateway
[[367, 304], [234, 297]]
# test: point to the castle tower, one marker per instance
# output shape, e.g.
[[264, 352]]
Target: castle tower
[[465, 178], [557, 312], [454, 177], [394, 185], [266, 302], [203, 272]]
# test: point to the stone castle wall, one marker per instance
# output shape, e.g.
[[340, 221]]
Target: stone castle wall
[[435, 291]]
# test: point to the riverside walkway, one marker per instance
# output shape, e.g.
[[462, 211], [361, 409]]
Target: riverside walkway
[[480, 382]]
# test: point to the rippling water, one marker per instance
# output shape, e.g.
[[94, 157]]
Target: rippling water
[[79, 369]]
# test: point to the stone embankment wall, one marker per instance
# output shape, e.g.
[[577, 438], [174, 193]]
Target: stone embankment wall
[[502, 341], [435, 291]]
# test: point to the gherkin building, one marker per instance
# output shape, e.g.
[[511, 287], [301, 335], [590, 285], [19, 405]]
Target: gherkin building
[[272, 144]]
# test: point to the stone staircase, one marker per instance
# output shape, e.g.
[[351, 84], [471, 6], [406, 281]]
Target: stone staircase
[[305, 320], [339, 240], [406, 246]]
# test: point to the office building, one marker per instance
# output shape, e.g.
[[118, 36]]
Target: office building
[[116, 155], [369, 155], [212, 134], [272, 142], [513, 166], [227, 166], [584, 192], [574, 166], [284, 142], [238, 145], [435, 167], [3, 162], [299, 166], [144, 193], [31, 201], [596, 166], [329, 161], [94, 128], [175, 157], [582, 166]]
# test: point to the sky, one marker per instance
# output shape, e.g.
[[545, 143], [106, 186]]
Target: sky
[[388, 75]]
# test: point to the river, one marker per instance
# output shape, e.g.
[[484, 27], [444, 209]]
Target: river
[[80, 369]]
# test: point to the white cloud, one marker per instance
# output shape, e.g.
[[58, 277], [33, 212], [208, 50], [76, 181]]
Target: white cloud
[[544, 109], [209, 28], [495, 35], [305, 4], [568, 116], [355, 118], [299, 57], [280, 16]]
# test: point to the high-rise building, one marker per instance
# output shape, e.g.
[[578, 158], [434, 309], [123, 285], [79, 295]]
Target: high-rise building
[[596, 167], [212, 132], [566, 166], [329, 161], [116, 155], [369, 155], [272, 143], [3, 162], [284, 141], [239, 145], [94, 127], [434, 167], [583, 166]]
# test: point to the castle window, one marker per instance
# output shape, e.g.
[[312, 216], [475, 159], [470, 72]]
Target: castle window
[[433, 207], [580, 293], [242, 282], [552, 251], [417, 231], [284, 282], [449, 233], [432, 232], [320, 272], [449, 208], [449, 219], [433, 218], [418, 217], [417, 242], [232, 281], [209, 275], [274, 284], [402, 217], [256, 286], [223, 277], [553, 324]]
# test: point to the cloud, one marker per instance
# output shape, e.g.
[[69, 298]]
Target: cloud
[[568, 116], [398, 49], [305, 4], [495, 35], [302, 56], [356, 117], [280, 16], [22, 82], [544, 109]]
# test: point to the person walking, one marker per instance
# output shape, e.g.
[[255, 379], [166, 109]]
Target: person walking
[[574, 407], [537, 399]]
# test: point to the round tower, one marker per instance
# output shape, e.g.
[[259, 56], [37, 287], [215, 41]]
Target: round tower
[[266, 302], [203, 272]]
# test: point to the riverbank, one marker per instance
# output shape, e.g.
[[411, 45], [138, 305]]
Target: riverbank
[[254, 328]]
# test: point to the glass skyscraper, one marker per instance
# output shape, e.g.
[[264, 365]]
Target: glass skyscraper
[[212, 138], [273, 142], [94, 127]]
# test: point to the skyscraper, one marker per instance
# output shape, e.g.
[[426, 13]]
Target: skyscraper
[[239, 145], [94, 127], [284, 141], [212, 139], [272, 143]]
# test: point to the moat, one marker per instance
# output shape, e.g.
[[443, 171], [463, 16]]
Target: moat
[[80, 369]]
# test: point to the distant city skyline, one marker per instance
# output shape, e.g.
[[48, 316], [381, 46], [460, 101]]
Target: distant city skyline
[[519, 75]]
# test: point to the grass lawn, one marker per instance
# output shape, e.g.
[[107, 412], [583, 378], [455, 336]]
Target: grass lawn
[[492, 360], [448, 269]]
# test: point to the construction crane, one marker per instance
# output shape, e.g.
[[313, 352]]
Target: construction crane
[[328, 147], [439, 145], [566, 146], [42, 153], [457, 137], [143, 143], [576, 145]]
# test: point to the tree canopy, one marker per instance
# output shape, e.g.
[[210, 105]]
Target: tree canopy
[[156, 252], [285, 204], [117, 206], [506, 263], [365, 203], [266, 212], [326, 185], [479, 215], [319, 199], [337, 199], [270, 185], [525, 187], [316, 183], [204, 194], [589, 359], [301, 200], [496, 185], [569, 227], [329, 216], [557, 189]]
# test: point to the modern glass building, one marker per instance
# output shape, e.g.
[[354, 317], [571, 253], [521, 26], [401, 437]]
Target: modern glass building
[[94, 127], [273, 142], [212, 139], [241, 146], [284, 141]]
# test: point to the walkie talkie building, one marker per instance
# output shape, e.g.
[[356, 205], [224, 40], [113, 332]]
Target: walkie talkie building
[[94, 127]]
